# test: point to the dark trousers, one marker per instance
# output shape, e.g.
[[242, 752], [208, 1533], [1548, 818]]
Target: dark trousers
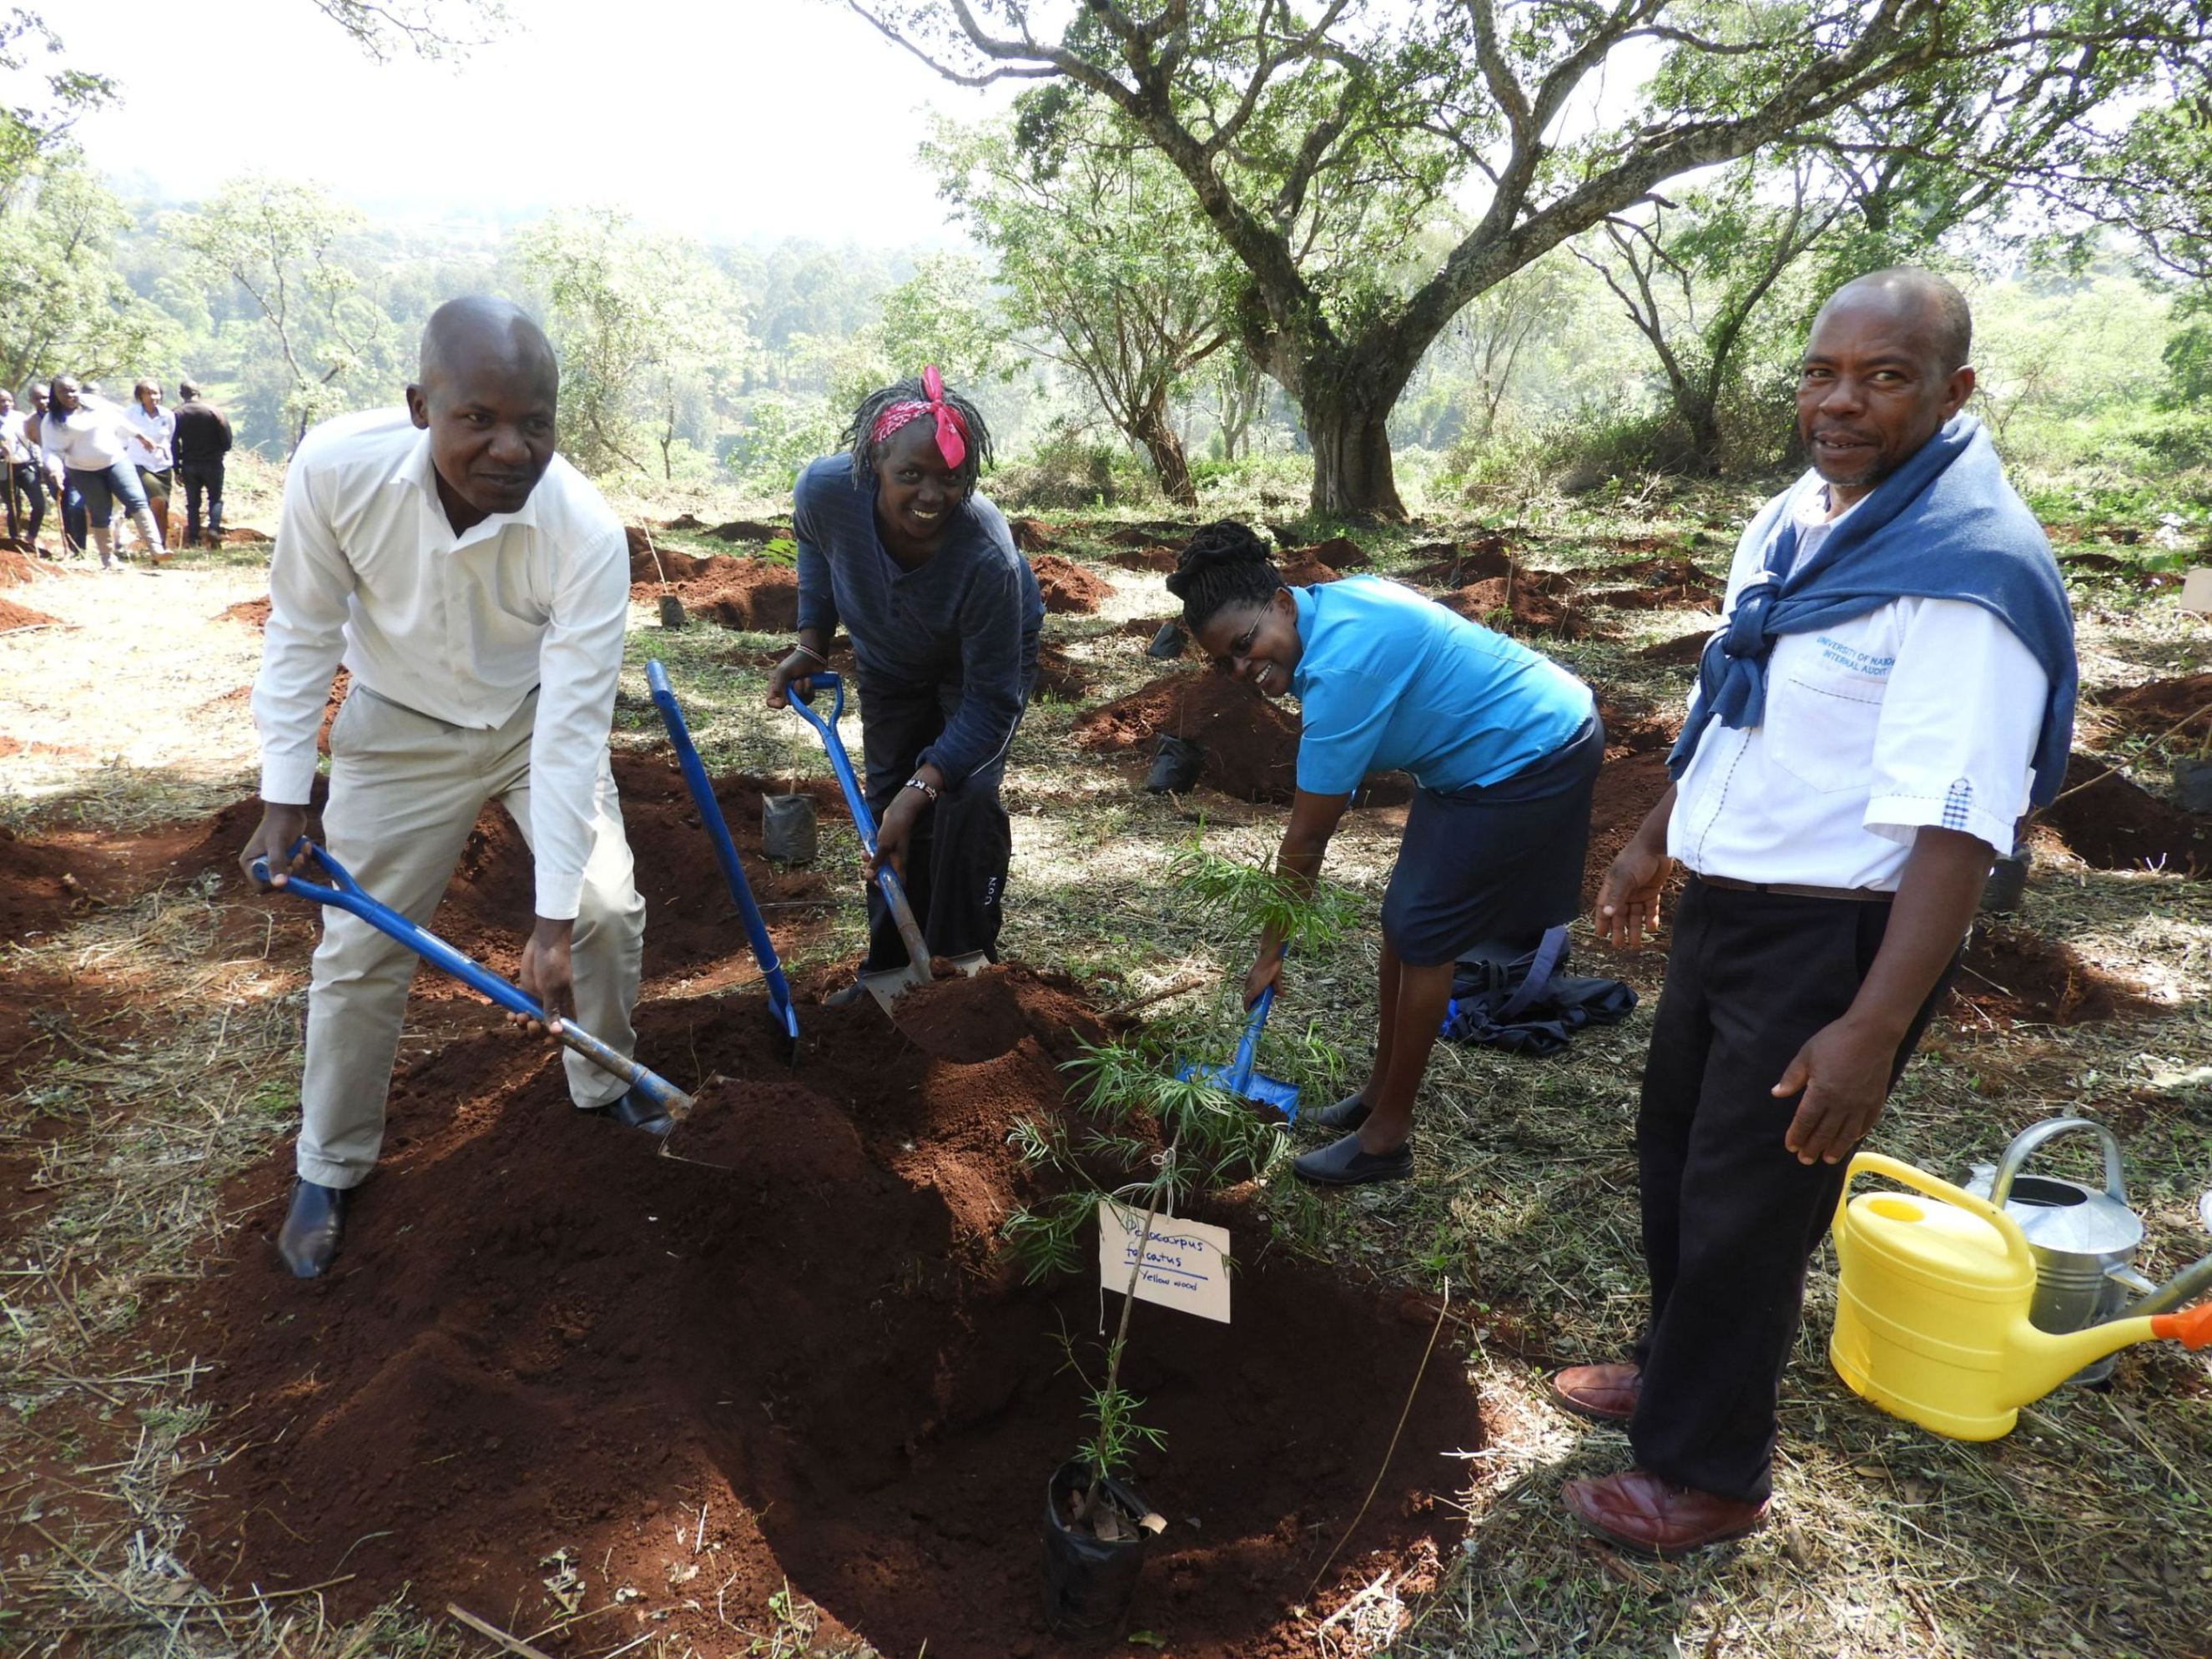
[[1731, 1217], [76, 523], [27, 501], [198, 478], [956, 862]]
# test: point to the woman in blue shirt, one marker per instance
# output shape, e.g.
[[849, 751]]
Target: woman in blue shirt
[[1503, 743]]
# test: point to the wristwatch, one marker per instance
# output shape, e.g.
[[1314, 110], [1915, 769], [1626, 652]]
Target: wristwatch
[[916, 782]]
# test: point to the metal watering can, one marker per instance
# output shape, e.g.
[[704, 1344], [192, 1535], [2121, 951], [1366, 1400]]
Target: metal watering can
[[1932, 1303], [2084, 1241]]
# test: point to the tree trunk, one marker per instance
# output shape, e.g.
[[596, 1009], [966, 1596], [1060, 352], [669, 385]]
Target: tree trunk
[[1156, 435], [1350, 439], [1702, 420]]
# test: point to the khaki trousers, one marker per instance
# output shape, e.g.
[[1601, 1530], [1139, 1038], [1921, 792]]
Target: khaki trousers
[[405, 790]]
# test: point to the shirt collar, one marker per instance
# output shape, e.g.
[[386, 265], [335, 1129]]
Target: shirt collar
[[416, 467]]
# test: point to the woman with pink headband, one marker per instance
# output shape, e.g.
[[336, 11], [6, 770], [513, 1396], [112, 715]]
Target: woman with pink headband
[[895, 543]]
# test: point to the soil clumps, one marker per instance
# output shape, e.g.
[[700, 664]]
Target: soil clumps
[[1067, 587], [1059, 676], [749, 529], [1158, 561], [14, 616], [1303, 572], [2012, 976], [2179, 710], [1251, 743], [802, 1307], [1627, 789], [1682, 648], [1338, 553], [254, 613], [760, 595], [18, 568], [1033, 535], [2110, 824], [1528, 605], [1147, 533], [1455, 564]]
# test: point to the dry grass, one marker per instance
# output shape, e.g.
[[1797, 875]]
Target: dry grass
[[2090, 1529]]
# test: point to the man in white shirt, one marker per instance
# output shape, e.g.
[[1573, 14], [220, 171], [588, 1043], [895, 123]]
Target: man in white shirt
[[88, 436], [1838, 823], [477, 587]]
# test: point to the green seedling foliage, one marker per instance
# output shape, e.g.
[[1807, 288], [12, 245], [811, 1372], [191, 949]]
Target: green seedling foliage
[[1246, 896]]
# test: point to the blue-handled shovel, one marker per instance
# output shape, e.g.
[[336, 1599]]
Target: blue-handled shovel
[[892, 983], [347, 895], [780, 1010], [1239, 1076]]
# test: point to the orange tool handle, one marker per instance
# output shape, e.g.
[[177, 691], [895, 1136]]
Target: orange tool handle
[[2191, 1327]]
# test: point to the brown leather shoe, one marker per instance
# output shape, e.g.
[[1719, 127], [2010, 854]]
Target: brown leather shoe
[[1604, 1394], [1640, 1512]]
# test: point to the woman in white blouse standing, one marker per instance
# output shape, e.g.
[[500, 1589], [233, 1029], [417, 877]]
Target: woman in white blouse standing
[[152, 432]]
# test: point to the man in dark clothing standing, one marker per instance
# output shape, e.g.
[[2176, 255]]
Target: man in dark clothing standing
[[895, 543], [1891, 686], [202, 440]]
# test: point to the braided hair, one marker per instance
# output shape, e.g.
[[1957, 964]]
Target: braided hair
[[1226, 564], [910, 389]]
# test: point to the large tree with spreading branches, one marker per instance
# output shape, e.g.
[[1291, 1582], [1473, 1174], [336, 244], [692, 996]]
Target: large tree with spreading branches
[[1318, 141]]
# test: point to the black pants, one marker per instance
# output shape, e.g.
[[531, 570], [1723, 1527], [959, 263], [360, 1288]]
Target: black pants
[[27, 501], [956, 863], [200, 477], [1731, 1217]]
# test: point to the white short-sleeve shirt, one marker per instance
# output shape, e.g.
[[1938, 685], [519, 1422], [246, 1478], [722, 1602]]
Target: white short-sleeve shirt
[[1921, 711]]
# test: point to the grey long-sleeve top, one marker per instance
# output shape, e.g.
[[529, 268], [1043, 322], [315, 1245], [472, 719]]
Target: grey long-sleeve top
[[968, 617]]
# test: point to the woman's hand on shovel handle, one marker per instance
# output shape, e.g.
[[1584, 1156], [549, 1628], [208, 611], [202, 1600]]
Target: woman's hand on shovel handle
[[281, 828], [546, 978], [791, 676]]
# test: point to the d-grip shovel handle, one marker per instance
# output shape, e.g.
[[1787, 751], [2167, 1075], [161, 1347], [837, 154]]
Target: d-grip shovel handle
[[1890, 1168], [347, 895], [856, 802]]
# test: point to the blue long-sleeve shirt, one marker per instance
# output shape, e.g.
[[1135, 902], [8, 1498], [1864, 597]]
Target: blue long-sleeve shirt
[[968, 617]]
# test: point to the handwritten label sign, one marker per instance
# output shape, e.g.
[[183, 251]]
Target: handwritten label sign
[[1186, 1262], [2196, 591]]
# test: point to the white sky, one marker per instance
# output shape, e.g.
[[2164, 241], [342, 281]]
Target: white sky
[[726, 119]]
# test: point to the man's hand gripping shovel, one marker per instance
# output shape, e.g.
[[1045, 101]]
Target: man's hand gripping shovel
[[346, 895], [891, 983]]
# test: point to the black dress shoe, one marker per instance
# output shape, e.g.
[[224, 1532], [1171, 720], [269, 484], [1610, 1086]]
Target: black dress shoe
[[1347, 1113], [309, 1236], [1343, 1164], [635, 1110]]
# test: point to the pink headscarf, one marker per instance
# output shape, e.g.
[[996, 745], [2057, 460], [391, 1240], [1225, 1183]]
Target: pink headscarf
[[951, 430]]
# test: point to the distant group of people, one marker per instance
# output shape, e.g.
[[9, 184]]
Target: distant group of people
[[90, 456]]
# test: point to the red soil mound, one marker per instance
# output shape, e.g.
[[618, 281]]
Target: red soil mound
[[1308, 573], [649, 561], [2109, 822], [17, 567], [1683, 648], [14, 616], [254, 613], [1161, 561], [1251, 743], [1455, 564], [2180, 709], [1627, 789], [1147, 533], [1338, 553], [43, 884], [800, 1311], [749, 529], [2014, 978], [1067, 587], [1526, 606], [758, 594], [1033, 535]]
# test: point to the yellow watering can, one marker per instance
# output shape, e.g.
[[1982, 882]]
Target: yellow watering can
[[1932, 1303]]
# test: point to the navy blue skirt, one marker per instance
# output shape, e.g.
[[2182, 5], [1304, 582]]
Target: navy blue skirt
[[1496, 863]]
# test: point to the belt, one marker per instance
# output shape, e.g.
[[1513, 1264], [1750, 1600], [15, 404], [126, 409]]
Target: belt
[[1796, 890]]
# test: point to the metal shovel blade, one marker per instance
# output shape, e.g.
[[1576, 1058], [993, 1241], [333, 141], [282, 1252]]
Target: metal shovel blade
[[891, 984], [1258, 1088]]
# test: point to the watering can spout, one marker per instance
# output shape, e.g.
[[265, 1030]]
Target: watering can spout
[[2041, 1361]]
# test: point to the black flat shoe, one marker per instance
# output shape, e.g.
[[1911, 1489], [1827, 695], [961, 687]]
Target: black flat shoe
[[1347, 1113], [635, 1110], [1342, 1164], [309, 1236]]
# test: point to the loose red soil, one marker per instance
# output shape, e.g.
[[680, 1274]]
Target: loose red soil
[[1527, 603], [1455, 564], [1627, 789], [14, 616], [1308, 573], [1147, 533], [2110, 824], [2180, 710], [541, 1337], [2011, 976], [1683, 648], [17, 567], [760, 595], [1067, 587], [1338, 553], [749, 529], [1059, 675], [254, 613], [1033, 535], [1251, 743]]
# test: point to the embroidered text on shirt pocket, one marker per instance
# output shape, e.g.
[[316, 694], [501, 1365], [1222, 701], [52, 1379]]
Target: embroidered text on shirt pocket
[[1821, 725]]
